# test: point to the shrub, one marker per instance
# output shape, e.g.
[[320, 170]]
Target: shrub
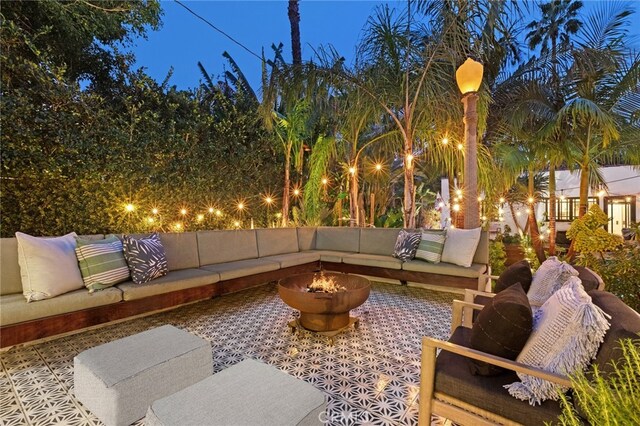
[[607, 399], [620, 270], [497, 257]]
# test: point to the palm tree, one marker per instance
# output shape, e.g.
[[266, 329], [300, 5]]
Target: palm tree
[[604, 96], [558, 23], [294, 21]]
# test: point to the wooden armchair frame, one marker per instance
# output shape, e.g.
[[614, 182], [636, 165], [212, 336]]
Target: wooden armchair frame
[[460, 412]]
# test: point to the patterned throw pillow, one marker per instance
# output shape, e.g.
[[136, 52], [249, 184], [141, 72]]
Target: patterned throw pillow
[[102, 262], [549, 278], [567, 332], [406, 245], [146, 258], [431, 245]]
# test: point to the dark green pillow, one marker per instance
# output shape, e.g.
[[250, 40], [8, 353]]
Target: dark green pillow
[[502, 328], [519, 272]]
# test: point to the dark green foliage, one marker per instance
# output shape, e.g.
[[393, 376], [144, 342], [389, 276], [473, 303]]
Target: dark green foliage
[[610, 399], [73, 159], [620, 271], [497, 257]]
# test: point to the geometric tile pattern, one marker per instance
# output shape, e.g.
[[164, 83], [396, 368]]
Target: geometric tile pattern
[[371, 374]]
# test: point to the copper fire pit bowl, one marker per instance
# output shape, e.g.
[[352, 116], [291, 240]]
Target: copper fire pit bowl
[[324, 311]]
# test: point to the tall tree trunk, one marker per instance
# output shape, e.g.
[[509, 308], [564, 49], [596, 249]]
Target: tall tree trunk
[[354, 217], [584, 200], [294, 21], [409, 215], [515, 220], [552, 209], [584, 189], [534, 232], [285, 189]]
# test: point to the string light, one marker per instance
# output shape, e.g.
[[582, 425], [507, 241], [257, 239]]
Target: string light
[[150, 220], [279, 215], [129, 208], [441, 204], [460, 146], [296, 192], [154, 211], [501, 200], [325, 181], [177, 226], [352, 170], [541, 236], [459, 192], [452, 226], [480, 199], [268, 200], [627, 199], [484, 218], [218, 213], [200, 217], [408, 160], [445, 140], [240, 205], [528, 211], [183, 212], [378, 167], [211, 210], [456, 207], [518, 213], [455, 199], [236, 224], [530, 200], [500, 210]]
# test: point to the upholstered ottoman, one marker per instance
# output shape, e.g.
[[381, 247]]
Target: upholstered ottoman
[[248, 393], [118, 381]]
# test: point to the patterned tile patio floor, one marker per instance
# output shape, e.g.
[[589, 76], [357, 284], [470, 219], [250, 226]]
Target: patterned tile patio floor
[[371, 374]]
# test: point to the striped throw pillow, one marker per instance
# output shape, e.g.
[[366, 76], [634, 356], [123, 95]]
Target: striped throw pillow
[[102, 262], [431, 245]]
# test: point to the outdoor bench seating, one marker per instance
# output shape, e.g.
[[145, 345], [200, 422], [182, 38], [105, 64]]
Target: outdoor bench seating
[[448, 387], [206, 264]]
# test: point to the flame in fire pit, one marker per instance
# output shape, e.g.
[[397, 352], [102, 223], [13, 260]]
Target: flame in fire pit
[[323, 284]]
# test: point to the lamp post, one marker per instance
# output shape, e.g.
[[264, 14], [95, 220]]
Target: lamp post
[[469, 78]]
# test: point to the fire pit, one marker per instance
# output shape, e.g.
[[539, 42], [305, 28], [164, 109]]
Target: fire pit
[[324, 299]]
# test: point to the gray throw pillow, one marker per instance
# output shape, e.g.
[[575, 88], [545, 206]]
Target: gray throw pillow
[[146, 258], [406, 245]]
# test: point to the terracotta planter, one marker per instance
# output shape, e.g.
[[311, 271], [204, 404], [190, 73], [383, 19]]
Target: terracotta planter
[[514, 253]]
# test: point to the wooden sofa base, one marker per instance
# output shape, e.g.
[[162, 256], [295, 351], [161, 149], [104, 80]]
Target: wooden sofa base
[[27, 331], [403, 276]]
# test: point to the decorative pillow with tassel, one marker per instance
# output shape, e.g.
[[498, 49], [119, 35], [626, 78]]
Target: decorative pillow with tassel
[[549, 278], [567, 332]]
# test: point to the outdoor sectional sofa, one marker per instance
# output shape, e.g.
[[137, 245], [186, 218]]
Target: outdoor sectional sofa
[[206, 264]]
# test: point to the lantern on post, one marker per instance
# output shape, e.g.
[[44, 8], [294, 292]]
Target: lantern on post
[[469, 79]]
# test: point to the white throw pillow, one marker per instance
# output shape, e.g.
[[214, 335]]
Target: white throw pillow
[[48, 266], [460, 246], [550, 276], [567, 332]]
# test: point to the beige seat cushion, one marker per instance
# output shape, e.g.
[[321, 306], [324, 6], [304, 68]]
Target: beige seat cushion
[[330, 255], [227, 246], [242, 268], [174, 280], [306, 238], [274, 241], [293, 259], [375, 260], [14, 308], [338, 239], [378, 240], [442, 268]]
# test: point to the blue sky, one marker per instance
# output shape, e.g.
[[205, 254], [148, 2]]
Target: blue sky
[[184, 40]]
